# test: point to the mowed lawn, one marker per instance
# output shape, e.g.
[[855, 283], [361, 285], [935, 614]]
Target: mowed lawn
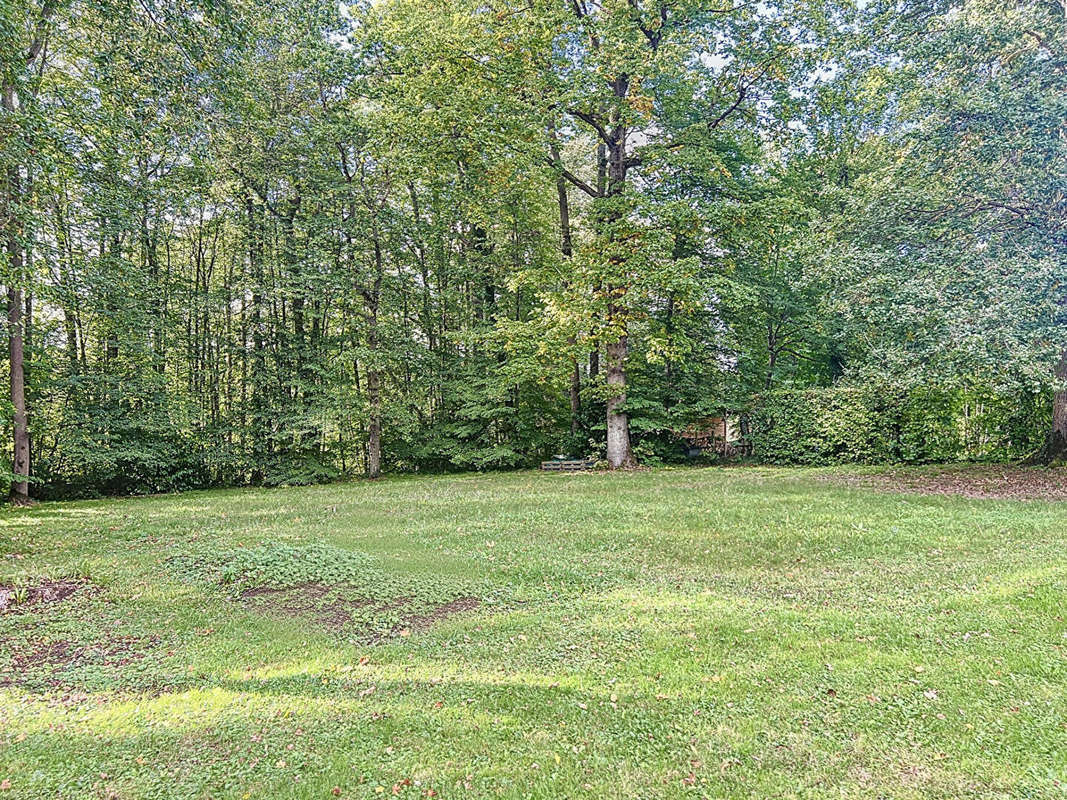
[[675, 633]]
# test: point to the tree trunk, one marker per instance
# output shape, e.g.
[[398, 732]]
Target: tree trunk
[[619, 452], [374, 394], [295, 281], [374, 433], [20, 465], [261, 447], [20, 462], [576, 394], [620, 456], [372, 299]]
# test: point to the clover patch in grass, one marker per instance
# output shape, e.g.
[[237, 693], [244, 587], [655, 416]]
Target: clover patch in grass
[[342, 591], [276, 565]]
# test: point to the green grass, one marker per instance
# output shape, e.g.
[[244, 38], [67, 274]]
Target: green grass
[[667, 634]]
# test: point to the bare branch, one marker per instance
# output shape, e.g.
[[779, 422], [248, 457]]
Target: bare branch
[[742, 91], [572, 178]]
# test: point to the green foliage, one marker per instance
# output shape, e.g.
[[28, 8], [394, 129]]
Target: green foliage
[[253, 233], [891, 424], [278, 565]]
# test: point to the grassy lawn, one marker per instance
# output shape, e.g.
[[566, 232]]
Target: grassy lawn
[[676, 633]]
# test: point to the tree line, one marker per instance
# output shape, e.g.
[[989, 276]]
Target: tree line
[[282, 241]]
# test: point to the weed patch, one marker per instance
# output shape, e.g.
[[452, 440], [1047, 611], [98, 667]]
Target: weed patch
[[278, 565], [338, 610], [49, 664], [342, 591]]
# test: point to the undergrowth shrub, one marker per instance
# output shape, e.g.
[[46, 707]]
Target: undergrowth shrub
[[877, 425], [281, 566]]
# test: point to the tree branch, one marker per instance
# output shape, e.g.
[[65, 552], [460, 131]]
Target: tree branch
[[742, 91], [592, 122], [40, 31], [572, 178]]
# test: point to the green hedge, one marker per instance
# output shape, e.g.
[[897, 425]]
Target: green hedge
[[879, 425]]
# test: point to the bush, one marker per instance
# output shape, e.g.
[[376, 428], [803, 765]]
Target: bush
[[881, 424]]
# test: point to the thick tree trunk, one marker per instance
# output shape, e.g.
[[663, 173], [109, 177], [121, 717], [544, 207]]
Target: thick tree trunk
[[619, 452], [374, 433], [1056, 449], [620, 456]]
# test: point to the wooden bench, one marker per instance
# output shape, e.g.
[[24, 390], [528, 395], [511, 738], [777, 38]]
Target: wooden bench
[[568, 466]]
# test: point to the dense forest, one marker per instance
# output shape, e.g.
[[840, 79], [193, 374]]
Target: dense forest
[[285, 241]]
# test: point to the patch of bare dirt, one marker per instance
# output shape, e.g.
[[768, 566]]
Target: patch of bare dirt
[[1000, 481], [54, 657], [422, 622], [14, 598], [326, 605], [331, 608]]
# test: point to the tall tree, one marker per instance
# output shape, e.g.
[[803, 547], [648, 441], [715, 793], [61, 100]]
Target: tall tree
[[27, 28], [656, 84]]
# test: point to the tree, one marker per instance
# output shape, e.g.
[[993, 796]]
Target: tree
[[657, 86], [24, 54]]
